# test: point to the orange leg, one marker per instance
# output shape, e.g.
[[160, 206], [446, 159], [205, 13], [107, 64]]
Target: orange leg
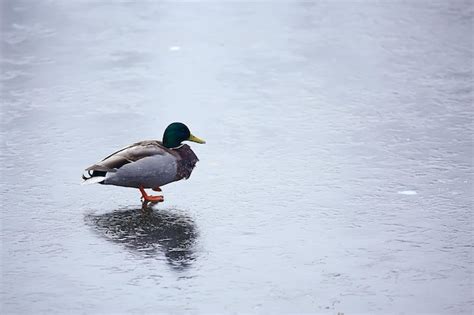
[[149, 198]]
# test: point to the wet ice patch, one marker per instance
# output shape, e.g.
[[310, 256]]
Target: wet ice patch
[[407, 192]]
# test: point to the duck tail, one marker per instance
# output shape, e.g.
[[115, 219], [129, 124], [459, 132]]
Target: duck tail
[[92, 178]]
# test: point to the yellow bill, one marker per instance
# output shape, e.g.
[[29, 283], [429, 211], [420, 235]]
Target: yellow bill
[[196, 139]]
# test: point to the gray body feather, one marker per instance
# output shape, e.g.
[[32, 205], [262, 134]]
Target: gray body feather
[[149, 172]]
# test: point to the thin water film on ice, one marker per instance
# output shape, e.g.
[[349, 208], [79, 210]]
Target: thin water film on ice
[[337, 174]]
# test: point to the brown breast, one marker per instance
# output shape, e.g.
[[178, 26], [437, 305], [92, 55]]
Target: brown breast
[[186, 162]]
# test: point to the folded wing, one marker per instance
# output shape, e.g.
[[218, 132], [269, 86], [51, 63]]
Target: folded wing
[[132, 153]]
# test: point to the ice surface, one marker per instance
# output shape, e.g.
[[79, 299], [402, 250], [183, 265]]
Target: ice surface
[[316, 114]]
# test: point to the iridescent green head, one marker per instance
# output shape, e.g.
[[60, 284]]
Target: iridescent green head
[[176, 133]]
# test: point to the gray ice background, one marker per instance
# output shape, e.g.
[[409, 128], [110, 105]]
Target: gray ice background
[[337, 177]]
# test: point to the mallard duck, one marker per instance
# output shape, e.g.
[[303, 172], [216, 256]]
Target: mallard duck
[[149, 163]]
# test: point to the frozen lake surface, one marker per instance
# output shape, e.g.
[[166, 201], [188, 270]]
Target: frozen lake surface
[[337, 174]]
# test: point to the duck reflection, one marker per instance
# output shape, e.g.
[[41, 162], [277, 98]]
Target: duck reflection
[[149, 232]]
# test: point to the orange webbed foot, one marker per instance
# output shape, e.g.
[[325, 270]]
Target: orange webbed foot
[[152, 199]]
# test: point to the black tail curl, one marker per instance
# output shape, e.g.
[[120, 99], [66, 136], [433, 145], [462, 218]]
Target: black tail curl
[[84, 177], [91, 174]]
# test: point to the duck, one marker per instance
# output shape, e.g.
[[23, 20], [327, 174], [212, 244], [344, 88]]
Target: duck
[[148, 164]]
